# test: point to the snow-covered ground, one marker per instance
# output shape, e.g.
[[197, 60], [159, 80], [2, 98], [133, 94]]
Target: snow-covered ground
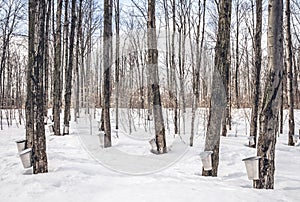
[[79, 170]]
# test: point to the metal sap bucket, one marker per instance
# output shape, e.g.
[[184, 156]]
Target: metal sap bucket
[[252, 167], [101, 138], [66, 130], [26, 158], [295, 138], [251, 141], [51, 128], [206, 160], [51, 118], [45, 120], [152, 142], [21, 144]]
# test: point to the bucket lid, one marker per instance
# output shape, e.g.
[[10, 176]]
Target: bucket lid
[[206, 153], [253, 158], [20, 141], [25, 151]]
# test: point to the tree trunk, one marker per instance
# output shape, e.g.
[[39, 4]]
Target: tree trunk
[[173, 83], [289, 63], [39, 156], [46, 58], [57, 71], [31, 54], [196, 80], [107, 59], [69, 72], [77, 87], [152, 66], [237, 60], [219, 86], [117, 63], [256, 74], [268, 128]]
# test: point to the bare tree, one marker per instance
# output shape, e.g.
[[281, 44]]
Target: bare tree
[[196, 76], [257, 70], [11, 11], [31, 56], [219, 85], [152, 65], [57, 71], [47, 56], [78, 62], [69, 71], [40, 163], [173, 83], [107, 59], [268, 127], [290, 79], [117, 63]]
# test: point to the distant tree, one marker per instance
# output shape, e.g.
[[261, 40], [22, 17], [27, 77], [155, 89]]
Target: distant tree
[[268, 127], [10, 15], [117, 62], [78, 60], [69, 71], [196, 75], [47, 56], [290, 76]]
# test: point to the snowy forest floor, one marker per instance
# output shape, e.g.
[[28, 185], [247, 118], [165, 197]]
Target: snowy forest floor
[[79, 170]]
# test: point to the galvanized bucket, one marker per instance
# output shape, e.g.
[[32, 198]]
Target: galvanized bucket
[[295, 138], [206, 159], [26, 158], [153, 144], [45, 120], [51, 128], [21, 144], [66, 130], [252, 167], [251, 141], [101, 138]]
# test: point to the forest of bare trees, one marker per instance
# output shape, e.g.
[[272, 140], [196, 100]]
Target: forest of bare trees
[[62, 59]]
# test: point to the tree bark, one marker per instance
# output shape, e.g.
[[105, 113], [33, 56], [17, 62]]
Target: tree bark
[[290, 78], [256, 73], [237, 60], [173, 83], [196, 76], [40, 164], [46, 57], [69, 71], [31, 54], [77, 87], [268, 128], [219, 86], [117, 63], [152, 66], [107, 62], [57, 71]]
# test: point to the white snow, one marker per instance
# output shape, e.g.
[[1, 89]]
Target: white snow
[[80, 170]]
